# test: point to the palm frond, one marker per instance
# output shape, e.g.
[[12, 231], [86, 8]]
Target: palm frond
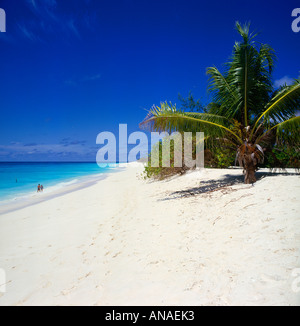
[[268, 57], [287, 132], [221, 90], [219, 119], [246, 85], [282, 106], [169, 118], [244, 31]]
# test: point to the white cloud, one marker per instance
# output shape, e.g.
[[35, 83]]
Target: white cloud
[[72, 27], [44, 148], [282, 81], [92, 77], [49, 20], [88, 78], [70, 82]]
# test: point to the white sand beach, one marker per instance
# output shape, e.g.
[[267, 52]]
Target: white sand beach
[[190, 240]]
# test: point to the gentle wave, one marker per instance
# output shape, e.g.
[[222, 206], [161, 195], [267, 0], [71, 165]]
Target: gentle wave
[[18, 181]]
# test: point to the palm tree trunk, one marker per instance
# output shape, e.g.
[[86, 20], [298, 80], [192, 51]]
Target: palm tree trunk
[[250, 172]]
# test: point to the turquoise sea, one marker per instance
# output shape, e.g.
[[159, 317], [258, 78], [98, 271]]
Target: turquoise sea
[[19, 179]]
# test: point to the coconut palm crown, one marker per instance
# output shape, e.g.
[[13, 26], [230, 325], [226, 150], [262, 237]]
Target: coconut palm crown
[[246, 113]]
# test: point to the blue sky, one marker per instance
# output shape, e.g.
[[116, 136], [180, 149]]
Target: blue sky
[[71, 69]]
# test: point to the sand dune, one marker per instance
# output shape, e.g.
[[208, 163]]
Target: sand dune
[[201, 239]]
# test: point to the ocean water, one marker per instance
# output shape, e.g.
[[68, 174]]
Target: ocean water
[[20, 179]]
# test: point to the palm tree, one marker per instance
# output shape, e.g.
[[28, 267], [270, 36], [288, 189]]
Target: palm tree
[[246, 113]]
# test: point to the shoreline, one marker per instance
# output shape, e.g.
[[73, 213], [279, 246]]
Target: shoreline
[[32, 198], [203, 238]]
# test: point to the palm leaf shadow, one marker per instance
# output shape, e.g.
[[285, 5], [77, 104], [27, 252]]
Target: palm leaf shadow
[[208, 186]]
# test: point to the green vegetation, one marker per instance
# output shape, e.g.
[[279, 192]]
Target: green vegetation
[[247, 119], [283, 157]]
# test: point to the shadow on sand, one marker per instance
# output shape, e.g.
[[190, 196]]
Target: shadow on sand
[[208, 186]]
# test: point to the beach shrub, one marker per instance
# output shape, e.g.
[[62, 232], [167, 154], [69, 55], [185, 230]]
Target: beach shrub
[[222, 158], [159, 172], [282, 157], [213, 158], [278, 157]]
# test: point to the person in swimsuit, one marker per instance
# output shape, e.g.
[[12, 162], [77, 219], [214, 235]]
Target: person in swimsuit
[[42, 188], [39, 188]]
